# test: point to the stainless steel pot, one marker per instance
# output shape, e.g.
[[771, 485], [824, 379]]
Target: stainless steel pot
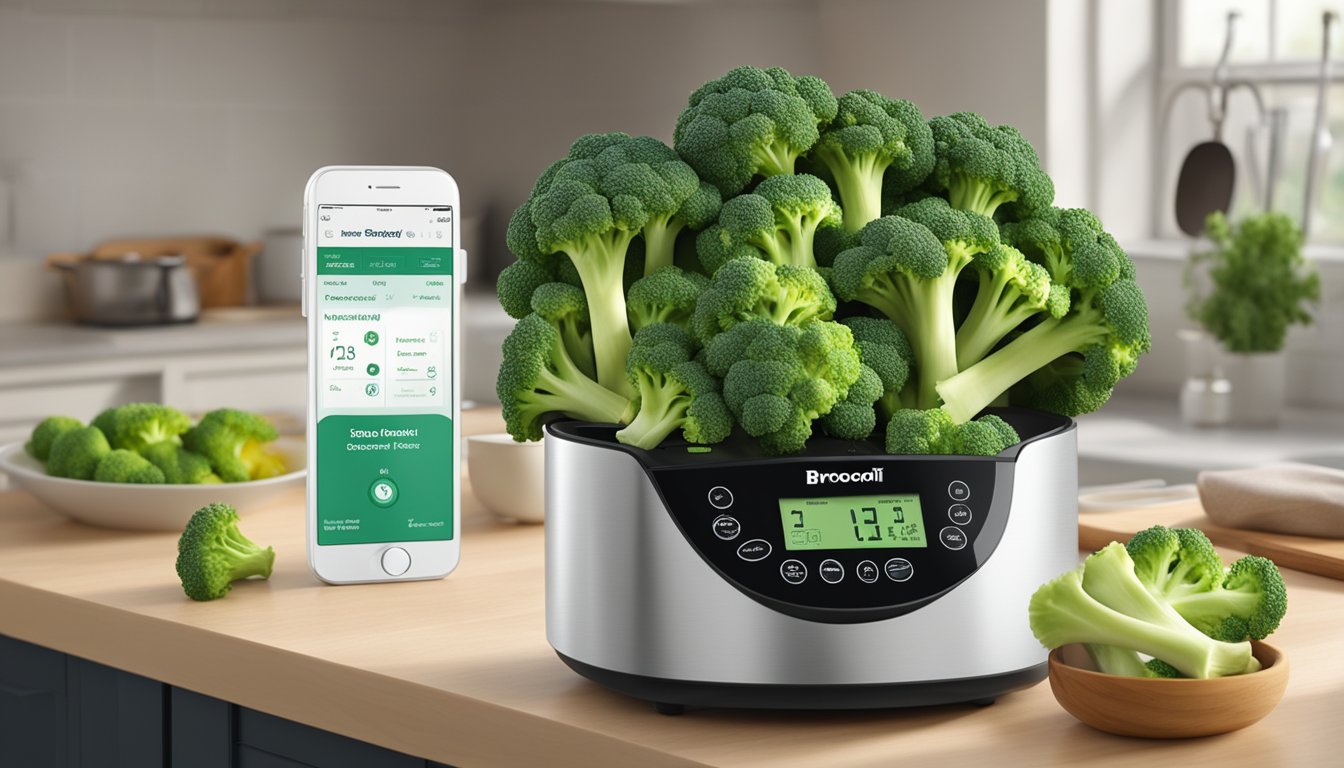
[[131, 291]]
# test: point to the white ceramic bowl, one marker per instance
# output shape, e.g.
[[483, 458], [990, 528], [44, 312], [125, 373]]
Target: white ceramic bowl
[[508, 477], [145, 507]]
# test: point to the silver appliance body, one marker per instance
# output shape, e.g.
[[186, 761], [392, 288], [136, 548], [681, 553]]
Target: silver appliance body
[[155, 291], [632, 603]]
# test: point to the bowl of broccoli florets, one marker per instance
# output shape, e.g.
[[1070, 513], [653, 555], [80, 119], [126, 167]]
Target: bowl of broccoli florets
[[145, 466]]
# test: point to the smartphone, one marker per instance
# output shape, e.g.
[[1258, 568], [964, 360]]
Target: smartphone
[[382, 276]]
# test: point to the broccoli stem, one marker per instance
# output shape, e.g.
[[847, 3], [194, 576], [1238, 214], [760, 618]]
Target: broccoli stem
[[859, 181], [969, 194], [990, 319], [248, 558], [1116, 661], [661, 412], [579, 346], [799, 232], [775, 159], [600, 262], [660, 239], [968, 392], [923, 310]]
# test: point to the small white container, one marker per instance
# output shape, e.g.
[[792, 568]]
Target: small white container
[[1258, 381], [508, 477]]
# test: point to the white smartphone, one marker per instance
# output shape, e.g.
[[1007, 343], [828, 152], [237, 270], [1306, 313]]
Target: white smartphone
[[382, 275]]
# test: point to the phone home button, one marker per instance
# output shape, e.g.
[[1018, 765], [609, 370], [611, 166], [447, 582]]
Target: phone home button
[[396, 561]]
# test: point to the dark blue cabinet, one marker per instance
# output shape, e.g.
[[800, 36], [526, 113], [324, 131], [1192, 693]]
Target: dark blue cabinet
[[60, 711]]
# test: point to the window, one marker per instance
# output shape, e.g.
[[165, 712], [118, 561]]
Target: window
[[1277, 48]]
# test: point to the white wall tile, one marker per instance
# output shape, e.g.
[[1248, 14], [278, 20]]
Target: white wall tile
[[32, 55], [111, 58]]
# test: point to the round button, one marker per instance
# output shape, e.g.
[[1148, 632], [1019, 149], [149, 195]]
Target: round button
[[793, 571], [959, 491], [383, 492], [867, 571], [396, 561], [756, 549], [952, 538], [959, 514], [899, 569], [727, 528], [831, 571], [720, 497]]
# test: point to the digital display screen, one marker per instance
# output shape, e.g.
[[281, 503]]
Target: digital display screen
[[384, 384], [888, 521]]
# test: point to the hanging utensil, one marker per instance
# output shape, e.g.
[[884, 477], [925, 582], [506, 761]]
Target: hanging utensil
[[1209, 172], [1321, 140]]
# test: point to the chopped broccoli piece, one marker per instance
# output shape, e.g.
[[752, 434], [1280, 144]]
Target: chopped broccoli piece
[[674, 391], [180, 466], [139, 425], [748, 289], [212, 553], [751, 122], [123, 466], [1250, 602], [46, 432], [666, 296], [234, 442], [1174, 562], [981, 167], [76, 453]]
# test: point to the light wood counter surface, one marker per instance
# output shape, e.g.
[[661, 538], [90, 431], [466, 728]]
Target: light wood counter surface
[[459, 670]]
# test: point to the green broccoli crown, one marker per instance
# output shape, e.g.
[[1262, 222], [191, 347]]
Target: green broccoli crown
[[518, 281], [873, 139], [212, 553], [1161, 669], [666, 296], [891, 249], [747, 289], [982, 167], [778, 379], [1175, 561], [854, 417], [883, 348], [963, 233], [983, 438], [751, 122], [566, 307], [1249, 602], [777, 221], [1103, 602], [180, 466], [76, 453], [933, 432], [830, 242], [223, 436], [674, 391], [123, 466], [138, 425], [539, 378], [46, 432]]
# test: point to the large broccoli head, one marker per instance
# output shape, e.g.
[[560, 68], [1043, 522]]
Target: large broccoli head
[[136, 426], [76, 453], [982, 167], [751, 122], [46, 432], [236, 445], [675, 391], [748, 289], [212, 554], [123, 466]]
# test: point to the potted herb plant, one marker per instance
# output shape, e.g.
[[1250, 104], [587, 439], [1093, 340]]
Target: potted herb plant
[[1258, 285]]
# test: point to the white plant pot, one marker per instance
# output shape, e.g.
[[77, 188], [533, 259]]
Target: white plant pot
[[1258, 381]]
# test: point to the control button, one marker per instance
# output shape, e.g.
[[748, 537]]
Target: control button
[[899, 569], [720, 497], [396, 561], [831, 571], [952, 538], [383, 492], [959, 491], [867, 571], [756, 549], [793, 571], [727, 528], [959, 514]]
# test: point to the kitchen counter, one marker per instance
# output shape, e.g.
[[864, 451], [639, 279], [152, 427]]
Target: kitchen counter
[[459, 670]]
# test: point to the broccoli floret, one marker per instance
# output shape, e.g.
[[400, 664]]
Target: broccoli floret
[[46, 432], [1175, 562], [180, 466], [777, 221], [518, 281], [1103, 602], [1101, 336], [981, 167], [1010, 290], [778, 379], [675, 392], [884, 349], [123, 466], [933, 432], [538, 378], [747, 289], [235, 444], [565, 307], [666, 296], [906, 267], [212, 554], [1250, 602], [870, 138], [139, 425], [751, 122], [75, 453], [854, 417]]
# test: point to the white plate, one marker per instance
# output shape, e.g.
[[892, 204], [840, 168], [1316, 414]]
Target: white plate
[[145, 507]]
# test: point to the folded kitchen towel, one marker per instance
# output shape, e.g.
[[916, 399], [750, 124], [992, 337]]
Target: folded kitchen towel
[[1301, 499]]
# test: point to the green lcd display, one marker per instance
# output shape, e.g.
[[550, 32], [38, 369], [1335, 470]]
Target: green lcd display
[[889, 521]]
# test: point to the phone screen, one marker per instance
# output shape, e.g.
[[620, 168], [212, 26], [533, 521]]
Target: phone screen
[[384, 304]]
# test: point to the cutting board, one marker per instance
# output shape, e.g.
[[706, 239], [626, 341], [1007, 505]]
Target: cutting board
[[1324, 557]]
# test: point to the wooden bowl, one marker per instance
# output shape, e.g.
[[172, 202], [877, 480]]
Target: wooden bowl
[[1169, 709]]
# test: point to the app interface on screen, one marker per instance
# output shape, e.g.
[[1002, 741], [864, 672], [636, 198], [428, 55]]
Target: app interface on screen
[[384, 303]]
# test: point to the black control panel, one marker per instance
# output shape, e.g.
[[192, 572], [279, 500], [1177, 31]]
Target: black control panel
[[779, 556]]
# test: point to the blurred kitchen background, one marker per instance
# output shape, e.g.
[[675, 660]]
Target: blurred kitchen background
[[185, 118]]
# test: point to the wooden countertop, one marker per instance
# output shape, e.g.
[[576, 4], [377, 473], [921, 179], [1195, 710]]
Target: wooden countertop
[[459, 670]]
